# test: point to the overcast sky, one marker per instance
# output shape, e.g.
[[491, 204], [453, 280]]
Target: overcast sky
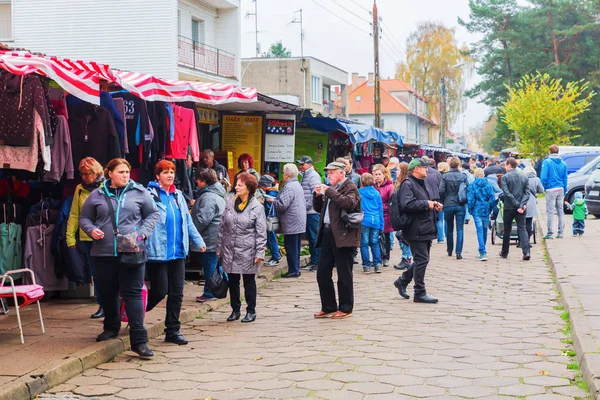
[[351, 47]]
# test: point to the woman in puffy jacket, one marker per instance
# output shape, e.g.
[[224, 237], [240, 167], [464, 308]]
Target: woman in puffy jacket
[[372, 224], [385, 187], [241, 244], [91, 178], [167, 248]]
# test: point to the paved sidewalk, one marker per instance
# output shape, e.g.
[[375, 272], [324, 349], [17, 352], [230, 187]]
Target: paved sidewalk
[[575, 261], [495, 334], [68, 348]]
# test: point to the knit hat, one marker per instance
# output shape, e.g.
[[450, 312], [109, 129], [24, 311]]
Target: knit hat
[[578, 195], [416, 162], [266, 181]]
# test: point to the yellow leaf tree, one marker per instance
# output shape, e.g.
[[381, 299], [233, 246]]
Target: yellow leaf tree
[[541, 111]]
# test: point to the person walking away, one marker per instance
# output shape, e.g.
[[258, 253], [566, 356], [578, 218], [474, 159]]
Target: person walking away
[[337, 243], [493, 167], [206, 215], [372, 225], [168, 247], [580, 212], [265, 185], [535, 187], [310, 180], [454, 207], [384, 186], [241, 244], [393, 168], [407, 256], [515, 188], [415, 201], [92, 177], [291, 208], [135, 213], [442, 168], [554, 179], [466, 169], [481, 202]]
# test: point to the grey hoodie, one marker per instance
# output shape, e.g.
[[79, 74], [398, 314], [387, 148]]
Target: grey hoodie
[[206, 214], [134, 208]]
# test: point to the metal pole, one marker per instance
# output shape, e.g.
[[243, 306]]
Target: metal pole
[[256, 24], [443, 114], [376, 54], [417, 113]]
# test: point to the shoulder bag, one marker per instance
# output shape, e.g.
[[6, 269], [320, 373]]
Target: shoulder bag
[[273, 224], [132, 246]]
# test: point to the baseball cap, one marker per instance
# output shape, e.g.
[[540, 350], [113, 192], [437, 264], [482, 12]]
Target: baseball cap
[[335, 165], [305, 160], [417, 162]]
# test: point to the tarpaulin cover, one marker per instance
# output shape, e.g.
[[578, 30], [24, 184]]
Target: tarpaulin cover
[[359, 133]]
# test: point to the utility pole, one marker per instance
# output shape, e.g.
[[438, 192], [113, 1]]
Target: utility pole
[[377, 88], [416, 113], [299, 21], [256, 26], [443, 114]]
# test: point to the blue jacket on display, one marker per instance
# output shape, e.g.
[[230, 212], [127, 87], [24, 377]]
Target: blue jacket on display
[[372, 207]]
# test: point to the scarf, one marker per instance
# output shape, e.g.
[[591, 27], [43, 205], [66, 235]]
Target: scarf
[[240, 205], [94, 185]]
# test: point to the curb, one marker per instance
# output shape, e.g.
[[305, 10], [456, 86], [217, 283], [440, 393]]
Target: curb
[[59, 371], [586, 349]]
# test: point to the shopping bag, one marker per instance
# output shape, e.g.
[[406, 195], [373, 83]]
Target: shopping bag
[[219, 283], [123, 314], [384, 253]]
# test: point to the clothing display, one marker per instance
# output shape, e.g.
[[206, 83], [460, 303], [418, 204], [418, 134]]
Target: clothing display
[[11, 247], [38, 257], [186, 135], [61, 154], [137, 125], [26, 158]]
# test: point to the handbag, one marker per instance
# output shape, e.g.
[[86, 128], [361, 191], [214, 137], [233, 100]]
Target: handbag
[[219, 283], [131, 246], [382, 242], [352, 220], [273, 224]]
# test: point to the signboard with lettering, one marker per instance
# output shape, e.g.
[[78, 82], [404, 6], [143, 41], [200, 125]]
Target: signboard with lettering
[[243, 134], [279, 138], [208, 116]]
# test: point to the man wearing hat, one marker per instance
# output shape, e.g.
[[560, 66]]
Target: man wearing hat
[[336, 241], [265, 184], [310, 180], [416, 201]]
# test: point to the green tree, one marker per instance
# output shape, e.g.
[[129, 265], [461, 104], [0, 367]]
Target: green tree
[[542, 111], [278, 51]]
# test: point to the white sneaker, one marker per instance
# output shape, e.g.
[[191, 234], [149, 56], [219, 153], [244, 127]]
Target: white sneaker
[[272, 263]]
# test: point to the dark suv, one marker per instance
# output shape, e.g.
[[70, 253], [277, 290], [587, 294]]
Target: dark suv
[[592, 192], [578, 179]]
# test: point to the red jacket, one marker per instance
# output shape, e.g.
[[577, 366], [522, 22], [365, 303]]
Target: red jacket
[[386, 190]]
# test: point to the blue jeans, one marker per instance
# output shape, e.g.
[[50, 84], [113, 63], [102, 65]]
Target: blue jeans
[[370, 238], [441, 226], [578, 227], [450, 213], [292, 245], [312, 229], [208, 262], [481, 224], [406, 252], [273, 246]]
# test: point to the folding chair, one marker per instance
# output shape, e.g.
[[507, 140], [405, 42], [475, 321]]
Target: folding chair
[[28, 293]]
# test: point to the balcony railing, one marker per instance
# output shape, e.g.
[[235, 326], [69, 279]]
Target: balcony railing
[[329, 107], [203, 57]]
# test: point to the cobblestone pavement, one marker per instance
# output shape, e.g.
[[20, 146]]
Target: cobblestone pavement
[[495, 334]]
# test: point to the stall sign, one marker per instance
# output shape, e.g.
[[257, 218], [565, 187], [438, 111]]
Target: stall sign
[[208, 116], [279, 139], [310, 142], [243, 134], [280, 126]]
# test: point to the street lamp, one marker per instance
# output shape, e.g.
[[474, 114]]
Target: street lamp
[[443, 104]]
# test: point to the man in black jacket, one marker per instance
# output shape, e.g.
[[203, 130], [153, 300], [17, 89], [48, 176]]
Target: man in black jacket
[[415, 200], [515, 188]]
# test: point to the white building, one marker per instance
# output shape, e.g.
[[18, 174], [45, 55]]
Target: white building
[[171, 39]]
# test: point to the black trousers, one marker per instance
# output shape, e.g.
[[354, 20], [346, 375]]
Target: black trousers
[[420, 250], [387, 246], [249, 292], [115, 278], [343, 259], [529, 224], [167, 278], [509, 215]]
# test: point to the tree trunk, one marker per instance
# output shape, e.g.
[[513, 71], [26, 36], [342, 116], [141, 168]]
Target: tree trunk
[[554, 40]]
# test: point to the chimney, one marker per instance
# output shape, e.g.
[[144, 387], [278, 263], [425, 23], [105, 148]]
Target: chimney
[[371, 77], [355, 79]]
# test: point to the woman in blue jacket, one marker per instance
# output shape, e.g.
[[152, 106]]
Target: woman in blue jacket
[[373, 223], [167, 248]]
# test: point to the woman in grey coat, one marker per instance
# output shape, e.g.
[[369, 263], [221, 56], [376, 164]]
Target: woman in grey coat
[[291, 209], [535, 187], [241, 243]]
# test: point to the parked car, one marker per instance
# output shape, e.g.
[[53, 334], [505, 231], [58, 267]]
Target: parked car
[[575, 161], [578, 179], [592, 191]]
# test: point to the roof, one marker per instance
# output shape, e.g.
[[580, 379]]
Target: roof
[[398, 85], [366, 105]]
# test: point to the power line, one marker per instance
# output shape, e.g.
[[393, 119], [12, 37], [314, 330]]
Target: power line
[[397, 50], [351, 12], [392, 49], [389, 31], [360, 5], [334, 14]]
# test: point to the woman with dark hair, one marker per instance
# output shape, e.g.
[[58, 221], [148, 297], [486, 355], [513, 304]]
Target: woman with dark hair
[[167, 248], [136, 215], [245, 164], [92, 177], [241, 243]]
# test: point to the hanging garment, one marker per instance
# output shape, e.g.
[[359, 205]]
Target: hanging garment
[[120, 104], [60, 151], [137, 126], [25, 158], [38, 257], [93, 133], [11, 247], [186, 135]]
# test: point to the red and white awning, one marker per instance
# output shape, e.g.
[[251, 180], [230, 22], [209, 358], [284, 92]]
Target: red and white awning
[[151, 88]]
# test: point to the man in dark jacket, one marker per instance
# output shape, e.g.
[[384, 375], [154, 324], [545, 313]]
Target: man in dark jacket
[[515, 187], [208, 161], [416, 201], [336, 241], [433, 179], [454, 209]]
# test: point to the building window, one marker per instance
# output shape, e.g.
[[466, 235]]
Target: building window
[[6, 20], [316, 89], [358, 99], [198, 31]]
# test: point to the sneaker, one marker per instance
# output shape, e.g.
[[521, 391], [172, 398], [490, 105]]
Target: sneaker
[[386, 263], [313, 268], [272, 263], [548, 237], [441, 241], [404, 263], [559, 236], [308, 267], [366, 270], [378, 269], [204, 299], [483, 257]]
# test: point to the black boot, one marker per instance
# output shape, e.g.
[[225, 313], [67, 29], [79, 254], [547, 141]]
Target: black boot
[[176, 337], [98, 314], [401, 288], [425, 298], [142, 350], [250, 317], [234, 315]]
